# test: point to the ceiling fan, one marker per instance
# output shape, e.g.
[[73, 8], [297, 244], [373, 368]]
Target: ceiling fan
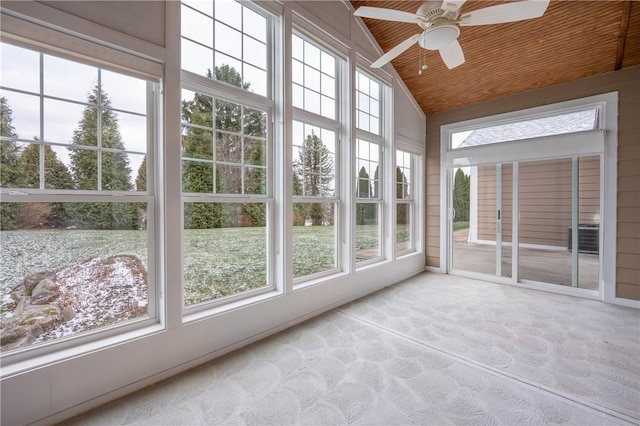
[[440, 23]]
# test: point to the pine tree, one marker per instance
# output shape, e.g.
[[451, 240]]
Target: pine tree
[[314, 168], [197, 143], [255, 183], [461, 202], [9, 167], [364, 191], [198, 176], [115, 167], [56, 176], [141, 179], [402, 191], [299, 209]]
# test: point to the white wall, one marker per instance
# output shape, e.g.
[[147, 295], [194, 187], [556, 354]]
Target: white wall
[[64, 383]]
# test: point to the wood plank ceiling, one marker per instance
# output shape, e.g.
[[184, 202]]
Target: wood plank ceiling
[[573, 40]]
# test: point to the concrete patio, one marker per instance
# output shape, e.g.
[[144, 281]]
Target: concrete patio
[[434, 349], [549, 266]]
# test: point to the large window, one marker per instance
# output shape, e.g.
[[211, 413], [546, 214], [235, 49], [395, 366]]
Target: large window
[[315, 157], [405, 204], [77, 198], [369, 169], [226, 145]]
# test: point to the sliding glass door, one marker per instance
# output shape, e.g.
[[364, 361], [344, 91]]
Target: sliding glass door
[[557, 206]]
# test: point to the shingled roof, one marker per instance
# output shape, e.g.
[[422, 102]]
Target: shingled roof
[[547, 126]]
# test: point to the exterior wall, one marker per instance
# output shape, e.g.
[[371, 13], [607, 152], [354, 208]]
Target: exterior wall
[[545, 200], [627, 83]]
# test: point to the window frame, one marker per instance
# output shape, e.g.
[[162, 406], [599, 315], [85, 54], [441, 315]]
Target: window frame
[[410, 202], [242, 100], [219, 90], [602, 140], [335, 125], [151, 196], [381, 141]]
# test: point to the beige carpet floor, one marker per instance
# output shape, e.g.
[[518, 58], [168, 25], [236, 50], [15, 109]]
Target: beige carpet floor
[[432, 350]]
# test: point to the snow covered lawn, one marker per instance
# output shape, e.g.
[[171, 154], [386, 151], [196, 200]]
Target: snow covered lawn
[[25, 252], [217, 262]]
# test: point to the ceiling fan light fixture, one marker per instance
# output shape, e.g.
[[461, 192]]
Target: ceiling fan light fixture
[[438, 36]]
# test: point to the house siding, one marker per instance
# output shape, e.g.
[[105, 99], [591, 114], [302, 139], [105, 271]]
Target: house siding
[[545, 200], [627, 83]]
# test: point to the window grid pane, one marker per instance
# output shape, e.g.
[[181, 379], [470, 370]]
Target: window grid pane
[[223, 146], [225, 249], [314, 238], [314, 161], [405, 206], [403, 175], [314, 78], [368, 235], [368, 181], [368, 113], [84, 139], [227, 43]]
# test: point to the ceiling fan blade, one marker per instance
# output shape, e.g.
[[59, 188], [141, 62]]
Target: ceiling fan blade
[[452, 5], [396, 51], [509, 12], [387, 14], [452, 54]]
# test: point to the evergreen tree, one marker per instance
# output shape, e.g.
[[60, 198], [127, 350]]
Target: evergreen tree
[[197, 143], [364, 191], [115, 167], [299, 209], [9, 167], [141, 179], [198, 176], [141, 185], [56, 176], [461, 201], [376, 183], [402, 191], [314, 168], [255, 183], [9, 156]]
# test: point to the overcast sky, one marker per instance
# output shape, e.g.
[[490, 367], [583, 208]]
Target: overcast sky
[[71, 83]]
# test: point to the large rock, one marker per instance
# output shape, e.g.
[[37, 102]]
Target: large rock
[[32, 280], [97, 292]]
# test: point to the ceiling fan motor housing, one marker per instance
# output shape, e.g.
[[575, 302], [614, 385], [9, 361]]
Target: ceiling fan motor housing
[[429, 9]]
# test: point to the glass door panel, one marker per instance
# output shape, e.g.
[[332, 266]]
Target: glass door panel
[[556, 197], [482, 219], [545, 217], [469, 254], [588, 222], [506, 221]]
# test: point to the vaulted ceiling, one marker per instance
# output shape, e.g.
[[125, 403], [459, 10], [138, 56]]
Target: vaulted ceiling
[[572, 40]]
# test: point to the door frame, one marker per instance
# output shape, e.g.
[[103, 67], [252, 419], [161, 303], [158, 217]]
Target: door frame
[[601, 141]]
